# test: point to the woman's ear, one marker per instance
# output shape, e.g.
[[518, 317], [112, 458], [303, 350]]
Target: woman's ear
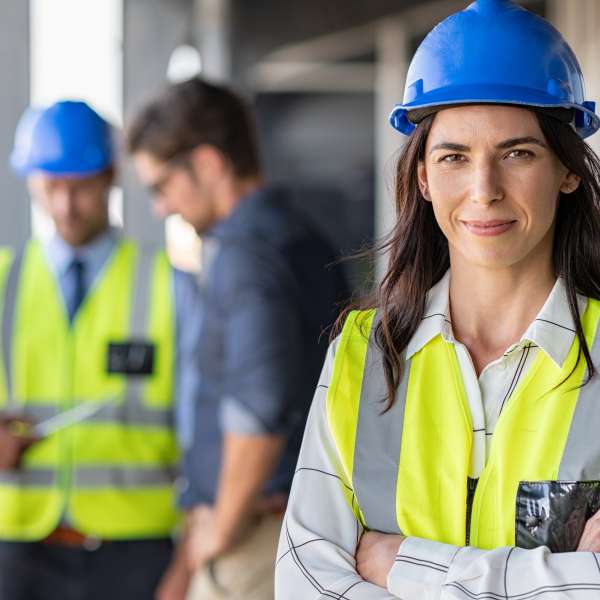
[[570, 183], [422, 179]]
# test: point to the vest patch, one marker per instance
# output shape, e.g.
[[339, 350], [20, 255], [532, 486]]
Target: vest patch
[[131, 358], [554, 513]]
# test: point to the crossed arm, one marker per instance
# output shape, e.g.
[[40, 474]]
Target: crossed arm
[[324, 553]]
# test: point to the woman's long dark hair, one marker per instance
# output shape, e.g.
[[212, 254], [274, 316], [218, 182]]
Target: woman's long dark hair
[[418, 250]]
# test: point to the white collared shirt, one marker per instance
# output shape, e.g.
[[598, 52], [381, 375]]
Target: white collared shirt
[[317, 548], [552, 332]]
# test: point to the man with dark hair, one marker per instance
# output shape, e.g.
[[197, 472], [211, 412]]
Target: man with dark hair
[[268, 298]]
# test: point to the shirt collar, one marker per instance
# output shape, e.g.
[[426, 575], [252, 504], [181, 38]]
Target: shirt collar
[[553, 329], [436, 320], [243, 212], [60, 254]]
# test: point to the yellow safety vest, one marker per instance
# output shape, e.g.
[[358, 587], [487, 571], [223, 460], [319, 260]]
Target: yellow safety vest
[[111, 476], [409, 467]]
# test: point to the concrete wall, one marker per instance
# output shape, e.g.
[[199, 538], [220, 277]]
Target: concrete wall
[[14, 66]]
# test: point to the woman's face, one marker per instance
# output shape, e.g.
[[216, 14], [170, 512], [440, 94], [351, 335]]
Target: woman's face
[[494, 184]]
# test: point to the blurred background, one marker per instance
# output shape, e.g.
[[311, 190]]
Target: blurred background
[[323, 76]]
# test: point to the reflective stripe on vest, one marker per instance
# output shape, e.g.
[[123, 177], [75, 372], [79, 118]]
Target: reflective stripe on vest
[[8, 315], [122, 410], [112, 475], [409, 467], [93, 477]]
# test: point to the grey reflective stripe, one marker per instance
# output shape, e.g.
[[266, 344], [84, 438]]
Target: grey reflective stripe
[[38, 412], [140, 311], [8, 321], [132, 412], [581, 456], [29, 478], [377, 445], [123, 477], [93, 477], [129, 411], [140, 306]]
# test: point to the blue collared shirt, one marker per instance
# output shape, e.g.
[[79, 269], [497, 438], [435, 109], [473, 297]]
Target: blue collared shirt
[[267, 296], [188, 314]]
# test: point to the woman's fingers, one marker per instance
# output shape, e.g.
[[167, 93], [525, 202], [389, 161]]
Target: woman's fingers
[[590, 540]]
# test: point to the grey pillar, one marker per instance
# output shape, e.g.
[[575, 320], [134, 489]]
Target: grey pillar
[[152, 30], [212, 27], [578, 21], [14, 66], [392, 63]]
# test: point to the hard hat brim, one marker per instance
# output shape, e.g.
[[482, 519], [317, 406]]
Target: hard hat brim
[[586, 121], [24, 169]]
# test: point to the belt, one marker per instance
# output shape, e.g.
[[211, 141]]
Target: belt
[[71, 538]]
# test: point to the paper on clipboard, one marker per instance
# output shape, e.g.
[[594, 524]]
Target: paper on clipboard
[[67, 418]]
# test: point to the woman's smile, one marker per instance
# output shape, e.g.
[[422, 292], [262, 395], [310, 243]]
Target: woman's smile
[[488, 228]]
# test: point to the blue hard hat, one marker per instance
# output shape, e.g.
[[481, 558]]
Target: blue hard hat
[[66, 139], [495, 52]]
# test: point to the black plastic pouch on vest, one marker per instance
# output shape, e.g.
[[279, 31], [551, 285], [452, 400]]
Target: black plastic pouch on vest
[[130, 358], [554, 513]]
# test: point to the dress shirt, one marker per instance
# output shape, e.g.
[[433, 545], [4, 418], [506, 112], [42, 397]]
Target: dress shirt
[[316, 556], [268, 295], [552, 331], [188, 314]]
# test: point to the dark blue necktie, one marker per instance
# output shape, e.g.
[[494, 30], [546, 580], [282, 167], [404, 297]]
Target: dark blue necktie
[[77, 291]]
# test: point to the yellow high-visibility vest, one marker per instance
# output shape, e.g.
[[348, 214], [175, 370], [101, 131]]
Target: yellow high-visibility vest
[[111, 476], [409, 467]]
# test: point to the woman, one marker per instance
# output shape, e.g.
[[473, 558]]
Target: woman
[[452, 449]]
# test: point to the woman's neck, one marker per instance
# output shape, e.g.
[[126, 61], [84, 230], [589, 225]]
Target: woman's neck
[[492, 308]]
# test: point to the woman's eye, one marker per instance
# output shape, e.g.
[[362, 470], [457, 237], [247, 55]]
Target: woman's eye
[[520, 154], [452, 158]]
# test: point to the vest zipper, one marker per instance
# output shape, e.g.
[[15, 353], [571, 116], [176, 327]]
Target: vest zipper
[[471, 487]]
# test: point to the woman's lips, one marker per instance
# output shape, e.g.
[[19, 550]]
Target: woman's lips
[[488, 228]]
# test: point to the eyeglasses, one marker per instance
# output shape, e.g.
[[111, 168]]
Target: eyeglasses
[[156, 188]]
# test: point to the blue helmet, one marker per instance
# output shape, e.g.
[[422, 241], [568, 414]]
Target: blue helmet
[[499, 53], [66, 139]]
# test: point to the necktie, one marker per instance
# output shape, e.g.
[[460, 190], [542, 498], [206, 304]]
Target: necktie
[[77, 289]]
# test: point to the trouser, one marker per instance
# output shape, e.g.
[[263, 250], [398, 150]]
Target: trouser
[[124, 570], [245, 573]]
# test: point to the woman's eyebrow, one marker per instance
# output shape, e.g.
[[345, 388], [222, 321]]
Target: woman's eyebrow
[[450, 146], [510, 143], [521, 140]]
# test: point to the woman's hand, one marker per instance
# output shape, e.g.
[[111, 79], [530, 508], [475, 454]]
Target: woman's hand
[[590, 540], [375, 556]]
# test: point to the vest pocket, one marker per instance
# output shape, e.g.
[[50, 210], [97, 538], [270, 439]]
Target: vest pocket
[[554, 513]]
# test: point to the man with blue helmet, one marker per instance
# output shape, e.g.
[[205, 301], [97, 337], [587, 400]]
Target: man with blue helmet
[[66, 154], [452, 450], [94, 330]]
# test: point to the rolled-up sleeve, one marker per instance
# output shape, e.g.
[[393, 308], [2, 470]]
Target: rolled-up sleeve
[[262, 343]]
